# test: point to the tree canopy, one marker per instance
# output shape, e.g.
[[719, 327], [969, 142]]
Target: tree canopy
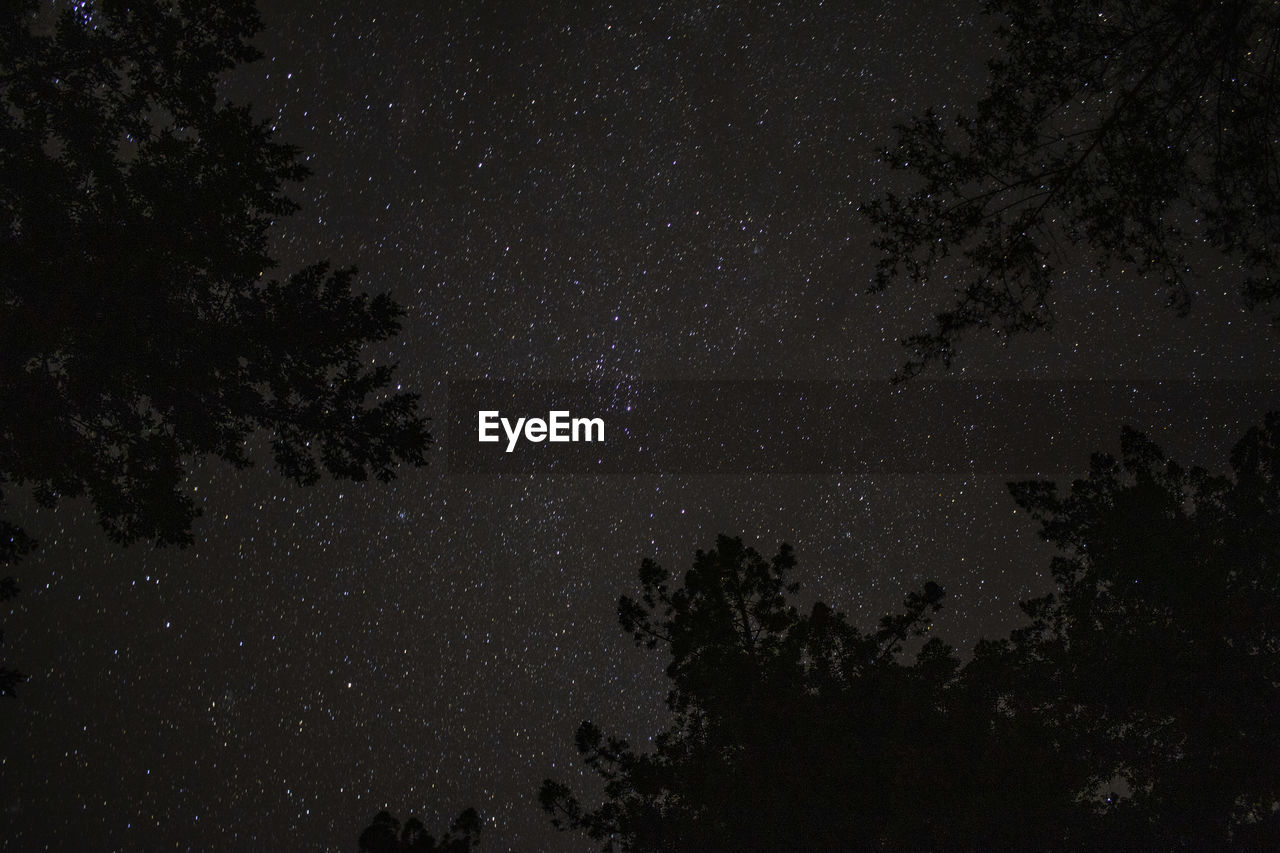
[[386, 835], [139, 324], [1134, 710], [761, 756], [1128, 136], [1161, 645]]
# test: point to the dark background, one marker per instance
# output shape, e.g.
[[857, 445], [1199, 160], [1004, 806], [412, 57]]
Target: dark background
[[644, 192]]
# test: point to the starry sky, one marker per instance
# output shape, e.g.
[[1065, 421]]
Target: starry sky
[[607, 194]]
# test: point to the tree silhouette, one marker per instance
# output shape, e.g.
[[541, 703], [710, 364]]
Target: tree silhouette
[[792, 731], [1134, 131], [1161, 646], [9, 678], [385, 835], [1135, 710], [14, 544], [138, 327]]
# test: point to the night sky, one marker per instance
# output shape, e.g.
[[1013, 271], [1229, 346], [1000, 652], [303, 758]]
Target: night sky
[[651, 191]]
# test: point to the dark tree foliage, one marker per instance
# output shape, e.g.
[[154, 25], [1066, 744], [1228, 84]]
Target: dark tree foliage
[[1136, 710], [792, 731], [138, 326], [9, 679], [1127, 133], [1160, 650], [385, 835]]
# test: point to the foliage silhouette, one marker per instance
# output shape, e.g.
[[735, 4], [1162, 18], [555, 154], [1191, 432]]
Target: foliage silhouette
[[385, 835], [138, 328], [14, 544], [1135, 710], [1136, 131], [1161, 645], [761, 754], [9, 678]]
